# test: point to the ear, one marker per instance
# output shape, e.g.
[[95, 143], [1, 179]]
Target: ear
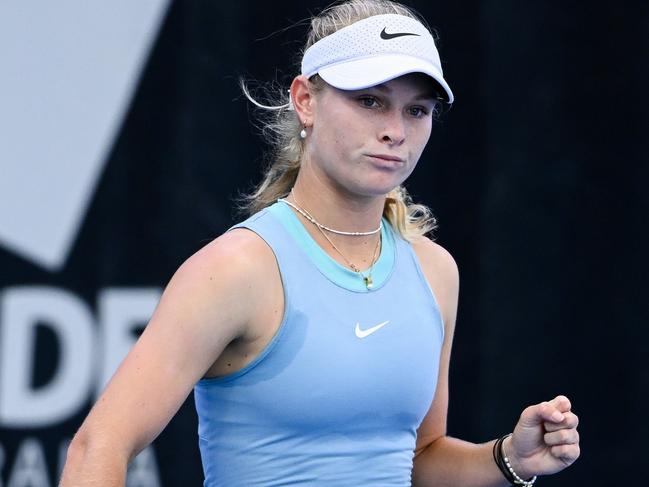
[[303, 100]]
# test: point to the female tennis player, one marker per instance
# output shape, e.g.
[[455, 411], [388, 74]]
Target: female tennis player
[[317, 334]]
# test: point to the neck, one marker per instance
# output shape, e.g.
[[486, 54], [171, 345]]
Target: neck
[[342, 212], [336, 209]]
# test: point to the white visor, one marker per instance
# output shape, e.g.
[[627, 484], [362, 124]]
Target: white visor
[[375, 50]]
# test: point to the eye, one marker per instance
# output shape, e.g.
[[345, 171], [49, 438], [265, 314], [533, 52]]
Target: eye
[[418, 112], [367, 101]]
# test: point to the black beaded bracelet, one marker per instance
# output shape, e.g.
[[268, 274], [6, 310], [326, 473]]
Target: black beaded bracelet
[[505, 467]]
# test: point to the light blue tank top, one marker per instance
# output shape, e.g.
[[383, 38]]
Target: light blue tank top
[[336, 397]]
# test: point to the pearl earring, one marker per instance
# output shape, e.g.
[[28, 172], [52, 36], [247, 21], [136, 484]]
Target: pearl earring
[[303, 132]]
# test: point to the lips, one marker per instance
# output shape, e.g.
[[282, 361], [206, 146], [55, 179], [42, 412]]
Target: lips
[[386, 157]]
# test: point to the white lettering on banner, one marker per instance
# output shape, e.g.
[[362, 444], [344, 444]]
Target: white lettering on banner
[[21, 310], [90, 349], [30, 467]]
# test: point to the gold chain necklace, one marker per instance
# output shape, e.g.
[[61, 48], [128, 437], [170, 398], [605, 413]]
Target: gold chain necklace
[[367, 279]]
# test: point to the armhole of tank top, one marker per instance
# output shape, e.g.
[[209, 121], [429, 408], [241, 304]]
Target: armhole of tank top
[[276, 336], [426, 285]]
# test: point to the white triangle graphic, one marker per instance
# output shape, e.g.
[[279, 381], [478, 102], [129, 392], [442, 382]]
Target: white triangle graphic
[[69, 70]]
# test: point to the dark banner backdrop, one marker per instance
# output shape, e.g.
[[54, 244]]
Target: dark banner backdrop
[[537, 176]]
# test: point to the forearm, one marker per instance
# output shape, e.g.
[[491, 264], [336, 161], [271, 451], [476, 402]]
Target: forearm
[[93, 466], [449, 462]]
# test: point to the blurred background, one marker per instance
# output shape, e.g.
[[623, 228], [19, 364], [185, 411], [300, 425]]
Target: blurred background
[[124, 140]]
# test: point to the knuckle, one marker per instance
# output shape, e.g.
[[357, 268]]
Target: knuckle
[[558, 451], [573, 453], [576, 419], [567, 436], [568, 453], [572, 420], [559, 438]]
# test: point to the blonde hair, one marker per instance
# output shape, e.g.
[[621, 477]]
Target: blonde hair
[[281, 127]]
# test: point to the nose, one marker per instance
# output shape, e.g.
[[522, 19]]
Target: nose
[[394, 129]]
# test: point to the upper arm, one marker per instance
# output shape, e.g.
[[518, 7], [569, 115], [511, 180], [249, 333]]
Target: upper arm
[[442, 275], [199, 313]]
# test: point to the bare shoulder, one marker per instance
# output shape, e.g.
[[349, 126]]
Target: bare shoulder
[[239, 250], [227, 277], [231, 259], [436, 259]]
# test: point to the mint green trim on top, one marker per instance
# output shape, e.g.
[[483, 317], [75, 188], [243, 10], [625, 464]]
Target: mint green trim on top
[[331, 269]]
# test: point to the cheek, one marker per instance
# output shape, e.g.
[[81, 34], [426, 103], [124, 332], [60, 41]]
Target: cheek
[[330, 143], [331, 131], [420, 137], [343, 138]]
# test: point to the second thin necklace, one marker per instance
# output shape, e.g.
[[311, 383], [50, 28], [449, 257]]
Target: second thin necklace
[[367, 278]]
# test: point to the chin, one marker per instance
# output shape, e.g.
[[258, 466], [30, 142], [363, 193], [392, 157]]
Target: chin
[[377, 186], [377, 191], [385, 187]]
